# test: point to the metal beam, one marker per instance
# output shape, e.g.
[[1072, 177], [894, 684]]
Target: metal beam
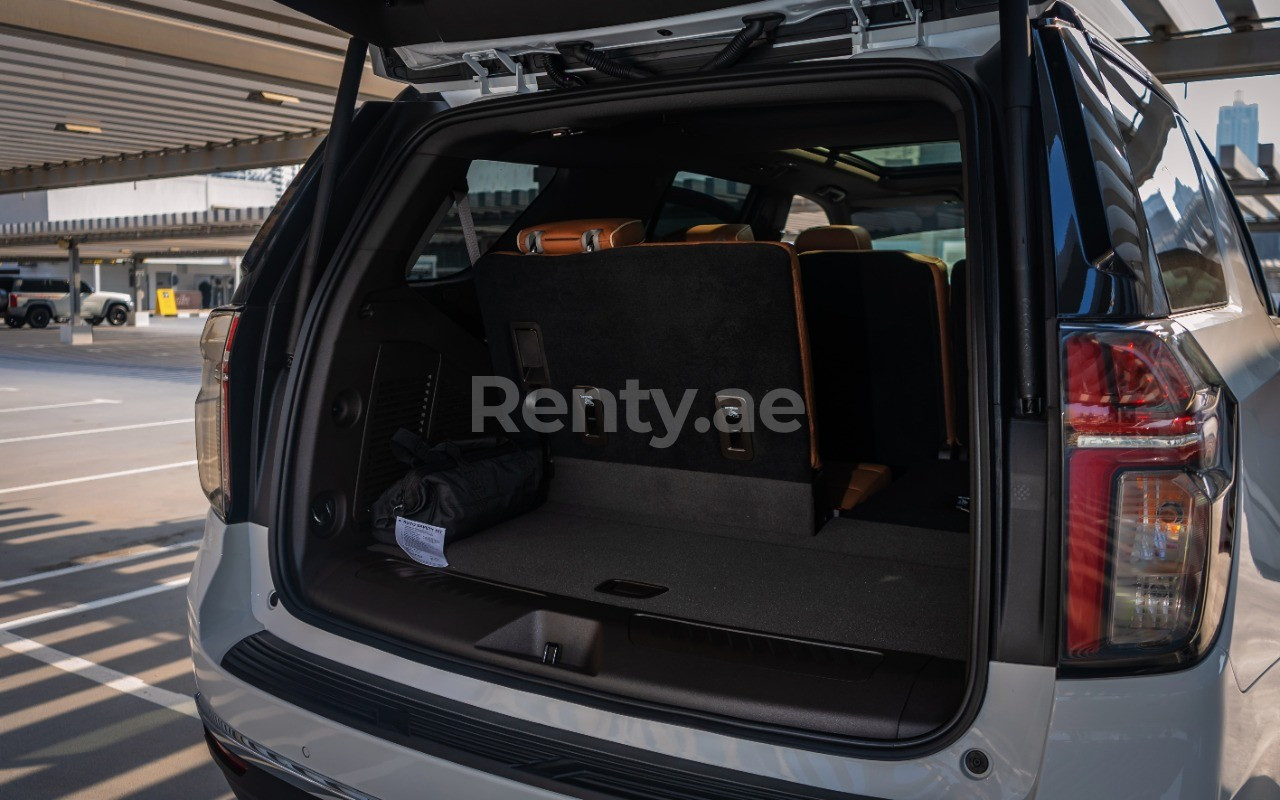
[[1255, 188], [161, 164], [1199, 58], [136, 35], [1242, 15]]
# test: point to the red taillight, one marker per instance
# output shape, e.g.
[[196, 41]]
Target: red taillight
[[213, 422], [1145, 474], [233, 762], [13, 300]]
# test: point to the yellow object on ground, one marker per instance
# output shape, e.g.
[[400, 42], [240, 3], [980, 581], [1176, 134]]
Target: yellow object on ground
[[166, 303]]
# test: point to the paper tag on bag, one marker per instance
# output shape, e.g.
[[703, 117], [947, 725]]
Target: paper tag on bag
[[424, 543]]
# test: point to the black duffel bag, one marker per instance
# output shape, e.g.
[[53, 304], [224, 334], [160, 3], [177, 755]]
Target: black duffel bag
[[461, 486]]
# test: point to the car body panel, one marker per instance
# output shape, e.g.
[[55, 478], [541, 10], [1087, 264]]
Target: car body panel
[[407, 38]]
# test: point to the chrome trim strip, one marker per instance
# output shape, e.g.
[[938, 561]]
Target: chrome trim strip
[[285, 769], [1106, 442]]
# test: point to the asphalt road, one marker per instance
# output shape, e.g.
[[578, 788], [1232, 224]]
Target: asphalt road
[[100, 511]]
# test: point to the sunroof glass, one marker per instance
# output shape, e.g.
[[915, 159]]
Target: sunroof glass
[[910, 155]]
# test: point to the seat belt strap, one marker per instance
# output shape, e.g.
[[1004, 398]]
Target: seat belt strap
[[460, 199]]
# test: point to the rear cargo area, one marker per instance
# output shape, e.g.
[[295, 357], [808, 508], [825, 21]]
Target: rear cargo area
[[815, 575]]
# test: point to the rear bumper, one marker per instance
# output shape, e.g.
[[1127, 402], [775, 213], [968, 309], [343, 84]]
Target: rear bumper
[[255, 772], [379, 749]]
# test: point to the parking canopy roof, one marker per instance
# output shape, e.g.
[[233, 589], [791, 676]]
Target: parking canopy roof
[[112, 90], [98, 91]]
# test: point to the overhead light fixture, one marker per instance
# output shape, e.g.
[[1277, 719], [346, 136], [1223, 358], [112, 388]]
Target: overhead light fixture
[[76, 127], [272, 98]]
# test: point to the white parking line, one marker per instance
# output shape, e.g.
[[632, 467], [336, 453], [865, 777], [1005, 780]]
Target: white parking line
[[58, 613], [103, 562], [8, 389], [98, 430], [97, 401], [103, 476], [97, 673]]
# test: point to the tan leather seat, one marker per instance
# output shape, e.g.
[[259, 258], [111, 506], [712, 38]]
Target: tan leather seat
[[579, 236], [721, 232], [833, 237]]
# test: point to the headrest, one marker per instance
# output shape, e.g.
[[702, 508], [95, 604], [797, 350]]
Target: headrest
[[723, 232], [579, 236], [834, 237]]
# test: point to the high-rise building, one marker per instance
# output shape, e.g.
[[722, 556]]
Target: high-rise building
[[1238, 125]]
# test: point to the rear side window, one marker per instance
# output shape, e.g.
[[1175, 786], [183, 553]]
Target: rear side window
[[43, 286], [695, 199], [1231, 232], [803, 215], [1180, 217], [932, 229], [498, 193]]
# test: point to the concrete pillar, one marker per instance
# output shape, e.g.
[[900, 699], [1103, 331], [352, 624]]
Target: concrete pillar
[[138, 281], [97, 276], [75, 331], [235, 272]]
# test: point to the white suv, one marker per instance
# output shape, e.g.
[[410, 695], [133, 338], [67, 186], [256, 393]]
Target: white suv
[[541, 465], [39, 301]]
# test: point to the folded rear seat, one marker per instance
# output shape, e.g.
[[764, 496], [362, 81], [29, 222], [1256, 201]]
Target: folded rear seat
[[584, 308], [881, 352]]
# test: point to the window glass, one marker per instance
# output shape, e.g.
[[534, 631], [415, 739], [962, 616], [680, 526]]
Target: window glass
[[43, 285], [498, 193], [804, 214], [85, 288], [1232, 236], [1180, 218], [932, 229], [695, 199], [947, 245], [907, 156]]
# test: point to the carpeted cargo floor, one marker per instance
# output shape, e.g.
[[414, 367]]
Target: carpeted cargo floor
[[857, 582]]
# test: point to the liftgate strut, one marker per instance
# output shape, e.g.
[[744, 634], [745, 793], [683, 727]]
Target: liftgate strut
[[335, 147], [1015, 56]]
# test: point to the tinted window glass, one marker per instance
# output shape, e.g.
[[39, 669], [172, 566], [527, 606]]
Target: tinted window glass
[[932, 229], [1180, 219], [1231, 235], [43, 285], [910, 156], [804, 214], [695, 199], [85, 288], [498, 194]]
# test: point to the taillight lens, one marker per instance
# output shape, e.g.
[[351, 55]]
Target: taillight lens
[[213, 443], [13, 301], [1146, 422]]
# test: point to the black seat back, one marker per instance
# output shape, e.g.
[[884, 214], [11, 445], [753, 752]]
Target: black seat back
[[722, 319], [879, 331]]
